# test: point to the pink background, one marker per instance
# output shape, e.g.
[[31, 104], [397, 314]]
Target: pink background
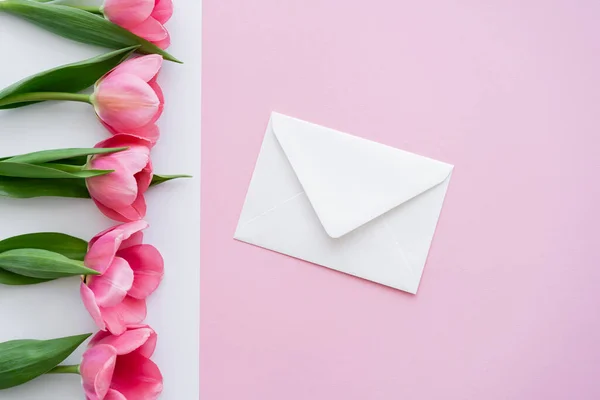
[[508, 91]]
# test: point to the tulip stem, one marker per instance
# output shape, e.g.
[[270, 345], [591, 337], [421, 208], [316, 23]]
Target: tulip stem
[[65, 369], [43, 96]]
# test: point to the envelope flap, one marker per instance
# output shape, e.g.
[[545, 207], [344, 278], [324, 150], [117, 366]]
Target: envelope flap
[[350, 180]]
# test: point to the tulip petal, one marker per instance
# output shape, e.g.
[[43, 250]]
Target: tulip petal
[[102, 234], [104, 246], [97, 371], [89, 302], [139, 206], [134, 212], [125, 101], [125, 140], [132, 160], [144, 67], [147, 349], [128, 13], [148, 269], [111, 129], [101, 250], [115, 190], [129, 312], [114, 395], [144, 178], [134, 240], [164, 43], [163, 11], [161, 98], [112, 214], [111, 287], [97, 338], [128, 342], [150, 29], [150, 131], [137, 377]]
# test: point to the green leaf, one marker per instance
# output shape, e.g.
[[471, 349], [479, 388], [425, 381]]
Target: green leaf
[[25, 188], [77, 171], [8, 278], [70, 78], [42, 264], [69, 246], [45, 156], [47, 171], [158, 179], [24, 360], [81, 160], [80, 26]]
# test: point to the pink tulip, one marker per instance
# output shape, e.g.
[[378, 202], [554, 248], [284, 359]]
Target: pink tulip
[[120, 194], [130, 271], [119, 367], [145, 18], [128, 99]]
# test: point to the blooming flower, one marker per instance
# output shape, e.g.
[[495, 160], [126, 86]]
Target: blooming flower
[[128, 99], [145, 18], [120, 194], [119, 367], [130, 272]]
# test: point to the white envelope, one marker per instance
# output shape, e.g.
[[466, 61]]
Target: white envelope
[[344, 202]]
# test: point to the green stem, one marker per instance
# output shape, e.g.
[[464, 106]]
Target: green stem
[[65, 369], [43, 96]]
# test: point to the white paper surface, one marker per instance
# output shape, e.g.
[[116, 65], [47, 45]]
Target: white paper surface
[[344, 202], [54, 309]]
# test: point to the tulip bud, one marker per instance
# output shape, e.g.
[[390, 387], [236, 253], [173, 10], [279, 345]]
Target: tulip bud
[[126, 98], [129, 100]]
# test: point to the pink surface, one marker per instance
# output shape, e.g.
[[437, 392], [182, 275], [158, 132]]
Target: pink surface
[[508, 91]]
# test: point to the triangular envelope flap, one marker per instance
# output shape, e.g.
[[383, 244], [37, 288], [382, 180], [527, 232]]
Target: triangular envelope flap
[[350, 180]]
